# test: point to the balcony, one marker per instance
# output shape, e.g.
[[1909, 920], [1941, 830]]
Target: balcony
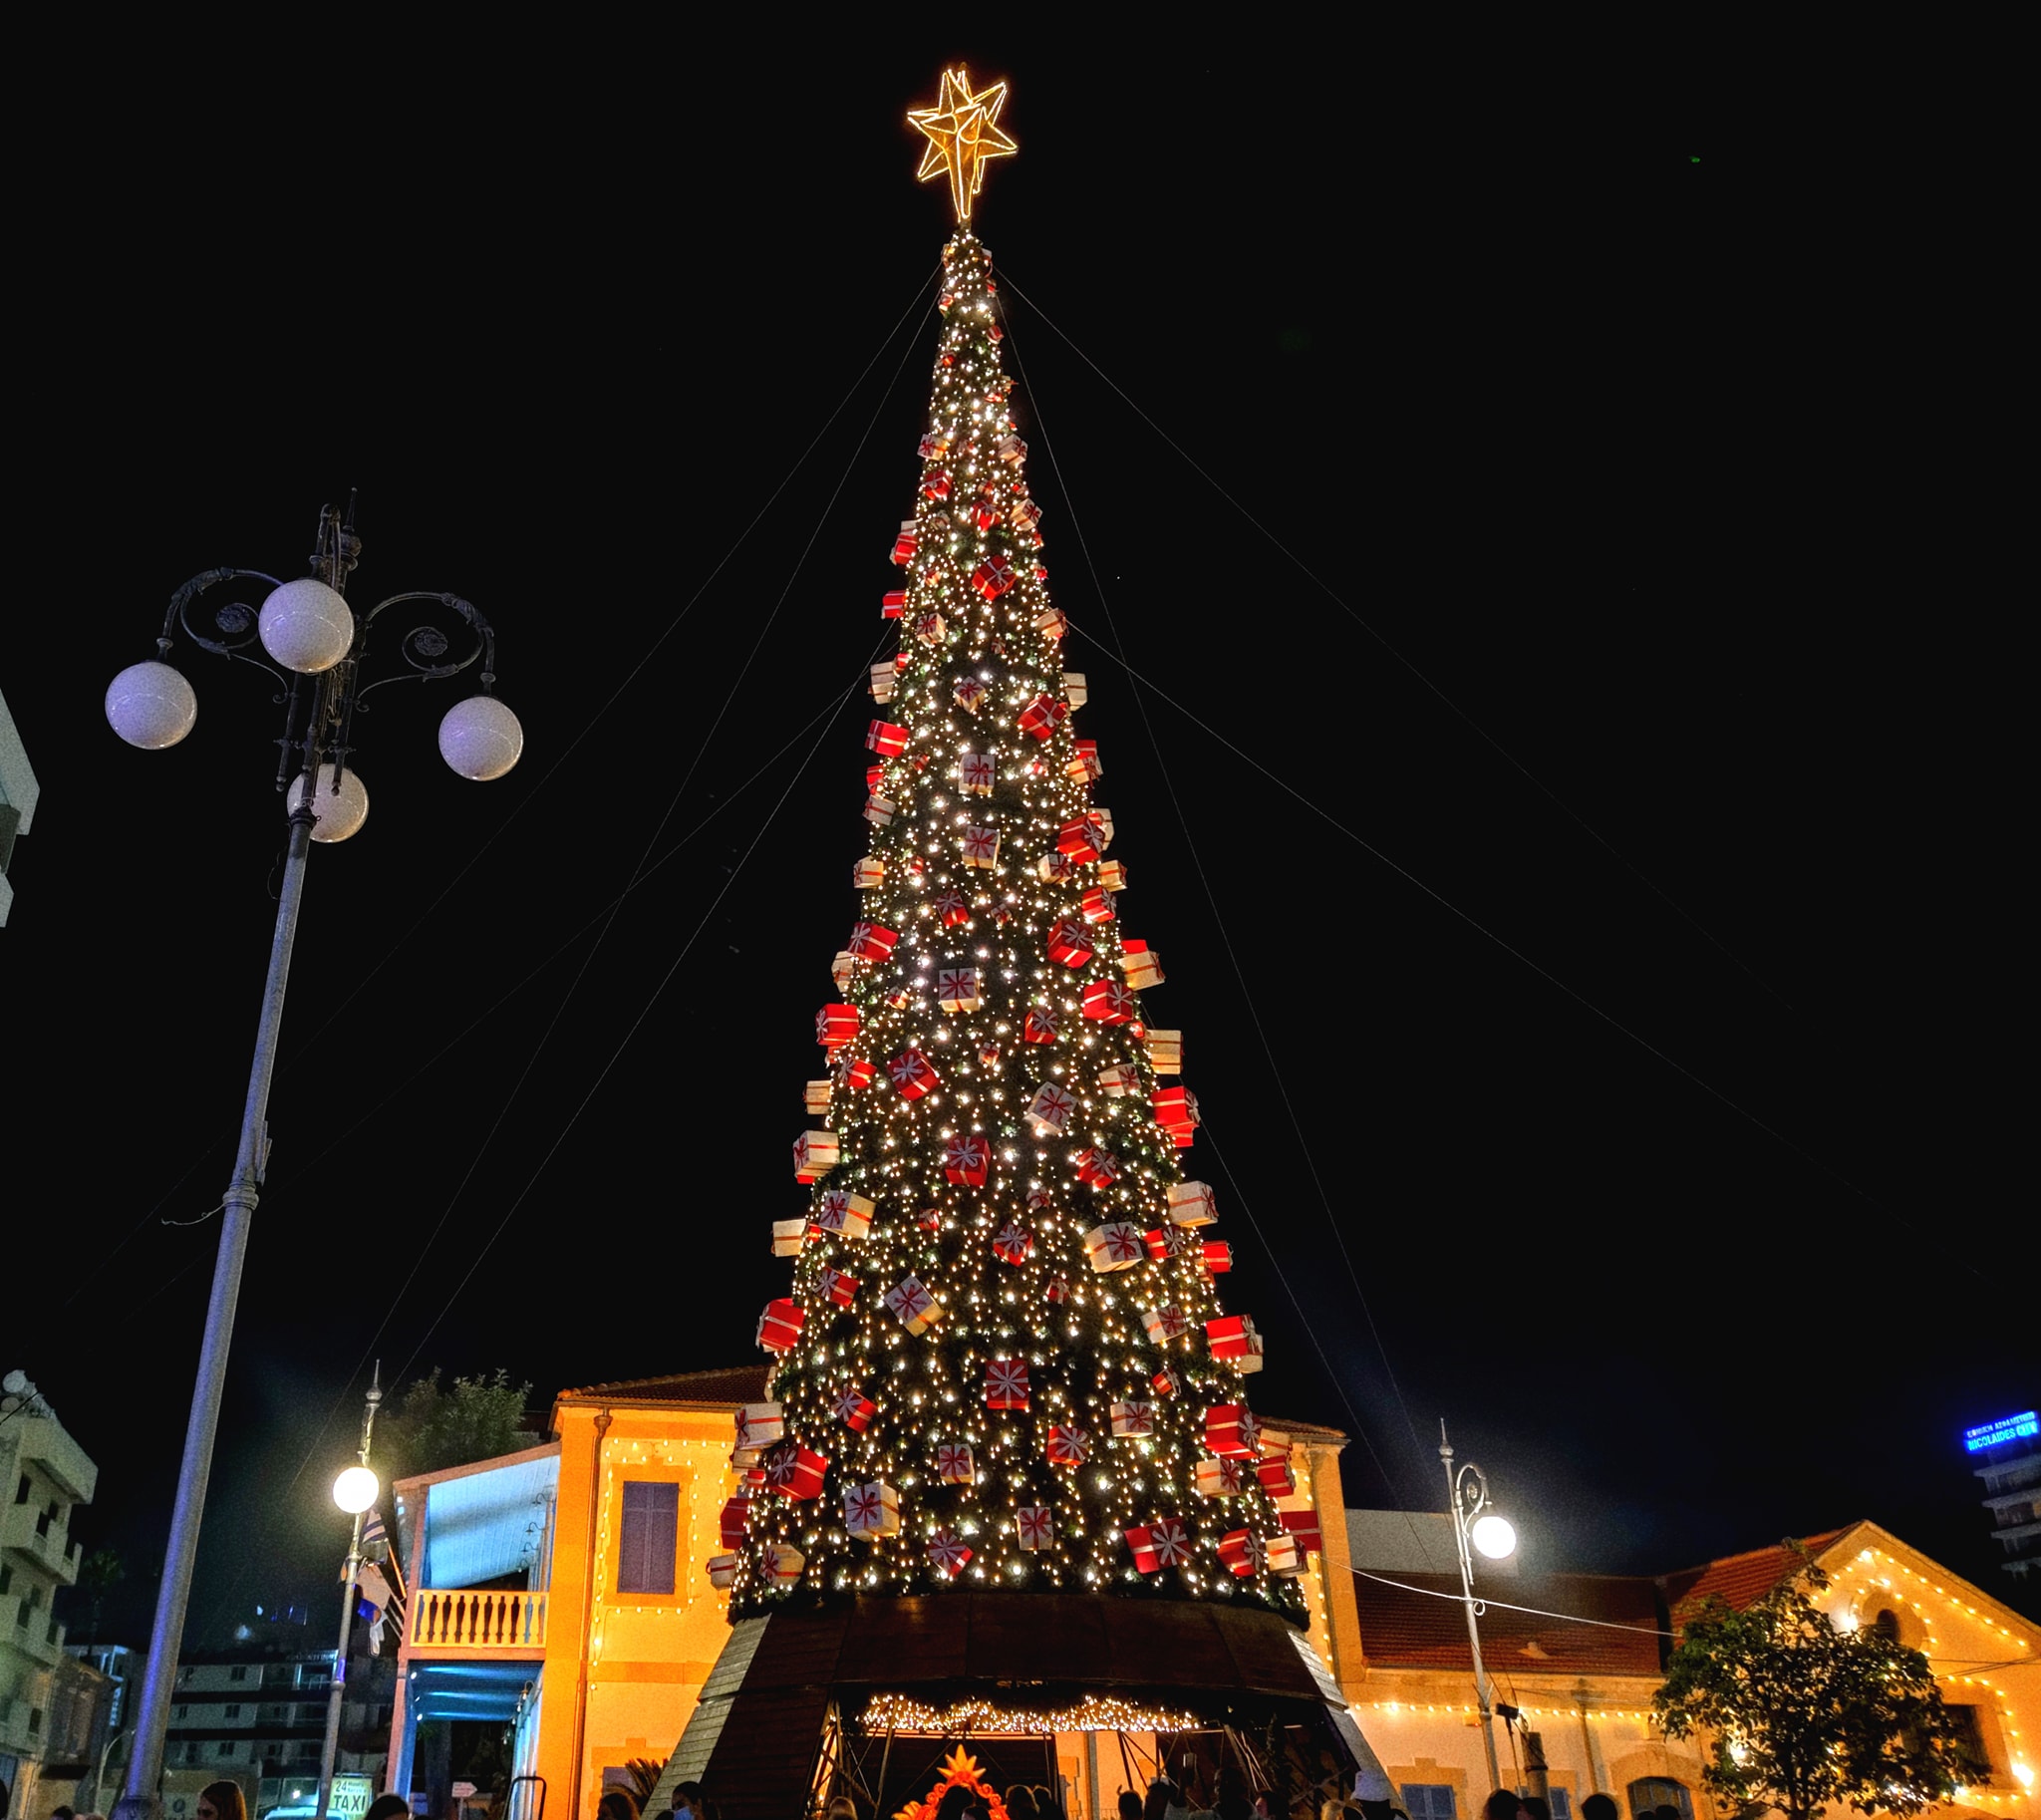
[[465, 1622], [25, 1531], [45, 1443], [31, 1629], [21, 1729]]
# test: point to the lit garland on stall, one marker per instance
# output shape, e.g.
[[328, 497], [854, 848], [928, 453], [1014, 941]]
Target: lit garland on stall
[[1002, 1361], [980, 1719]]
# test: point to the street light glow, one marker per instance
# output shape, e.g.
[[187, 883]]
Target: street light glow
[[355, 1490], [1494, 1536]]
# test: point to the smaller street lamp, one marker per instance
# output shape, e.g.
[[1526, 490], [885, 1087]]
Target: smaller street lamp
[[1493, 1536], [355, 1491]]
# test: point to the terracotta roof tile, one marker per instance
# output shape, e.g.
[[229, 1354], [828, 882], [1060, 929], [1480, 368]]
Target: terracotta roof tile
[[1417, 1629], [1741, 1578], [732, 1385]]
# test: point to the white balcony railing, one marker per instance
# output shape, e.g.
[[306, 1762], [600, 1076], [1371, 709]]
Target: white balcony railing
[[461, 1620]]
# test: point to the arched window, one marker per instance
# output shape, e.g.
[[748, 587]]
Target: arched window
[[1651, 1792], [1886, 1624]]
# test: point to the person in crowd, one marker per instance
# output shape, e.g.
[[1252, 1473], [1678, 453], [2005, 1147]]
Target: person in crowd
[[1020, 1803], [388, 1807], [688, 1802], [954, 1804], [841, 1807], [1130, 1805], [1665, 1811], [1504, 1804], [1046, 1804], [617, 1804], [1599, 1807], [1538, 1807], [217, 1801], [1165, 1801]]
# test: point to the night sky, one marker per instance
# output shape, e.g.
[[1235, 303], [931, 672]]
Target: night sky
[[1577, 872]]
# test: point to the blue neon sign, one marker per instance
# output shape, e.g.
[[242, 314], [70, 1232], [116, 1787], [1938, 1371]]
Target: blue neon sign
[[2007, 1429]]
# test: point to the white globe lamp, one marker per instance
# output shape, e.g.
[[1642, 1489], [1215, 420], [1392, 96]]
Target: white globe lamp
[[355, 1490], [1494, 1536], [334, 817], [481, 737], [306, 625], [151, 706]]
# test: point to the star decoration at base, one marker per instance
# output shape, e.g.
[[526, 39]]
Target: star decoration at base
[[962, 132]]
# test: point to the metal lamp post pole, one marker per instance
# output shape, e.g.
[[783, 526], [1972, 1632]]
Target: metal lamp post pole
[[1482, 1692], [329, 1753], [151, 705]]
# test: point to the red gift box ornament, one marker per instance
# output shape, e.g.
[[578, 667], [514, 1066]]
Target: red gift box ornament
[[906, 543], [884, 678], [992, 578], [840, 1286], [871, 1511], [872, 941], [989, 1054], [893, 603], [1034, 1527], [1141, 1539], [1050, 1111], [965, 1158], [953, 1465], [1013, 1243], [1164, 1324], [795, 1471], [1108, 1002], [1078, 840], [1234, 1339], [1042, 716], [930, 1219], [957, 988], [887, 739], [836, 1024], [1176, 1108], [1244, 1552], [981, 846], [1040, 1200], [1096, 1167], [1070, 942], [916, 1310], [1132, 1419], [1166, 1383], [1095, 905], [913, 1075], [1277, 1478], [1217, 1255], [977, 771], [734, 1519], [952, 908], [986, 513], [1163, 1242], [855, 1070], [854, 1409], [1303, 1524], [1142, 965], [1114, 1245], [937, 485], [1067, 1445], [1219, 1479], [947, 1553], [779, 1327], [970, 694], [1231, 1432], [1171, 1539], [1005, 1384], [1038, 1025], [1058, 1289], [816, 1153]]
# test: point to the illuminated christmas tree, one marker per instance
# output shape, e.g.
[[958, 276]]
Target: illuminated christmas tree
[[1001, 1362]]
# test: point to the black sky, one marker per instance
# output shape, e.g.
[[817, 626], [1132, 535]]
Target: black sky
[[1630, 1010]]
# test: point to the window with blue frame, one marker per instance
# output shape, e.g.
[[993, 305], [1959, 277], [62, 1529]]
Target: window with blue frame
[[1429, 1801]]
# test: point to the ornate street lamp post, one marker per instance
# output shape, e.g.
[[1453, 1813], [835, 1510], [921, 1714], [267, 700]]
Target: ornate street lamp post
[[1490, 1535], [322, 645], [355, 1491]]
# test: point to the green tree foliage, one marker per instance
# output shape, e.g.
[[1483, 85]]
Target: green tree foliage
[[433, 1426], [98, 1575], [1803, 1715]]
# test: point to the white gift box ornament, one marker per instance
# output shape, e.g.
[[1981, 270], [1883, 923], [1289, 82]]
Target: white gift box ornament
[[957, 988], [1142, 965], [1050, 1111], [1133, 1419], [981, 846], [1191, 1204], [871, 1511], [868, 874], [1112, 875], [1076, 687], [1166, 1051], [954, 1464], [723, 1571], [761, 1425], [1114, 1245], [846, 1214], [784, 1564], [884, 676], [816, 1094], [787, 1237], [975, 773], [843, 968], [1118, 1081]]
